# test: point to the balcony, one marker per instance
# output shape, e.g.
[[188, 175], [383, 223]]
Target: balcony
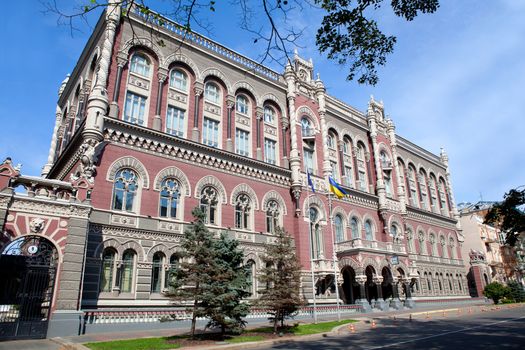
[[308, 133], [356, 245], [386, 165]]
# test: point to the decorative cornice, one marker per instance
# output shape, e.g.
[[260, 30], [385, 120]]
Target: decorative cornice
[[431, 218], [50, 207]]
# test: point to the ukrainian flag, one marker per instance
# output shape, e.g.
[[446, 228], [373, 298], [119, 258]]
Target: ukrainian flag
[[336, 189]]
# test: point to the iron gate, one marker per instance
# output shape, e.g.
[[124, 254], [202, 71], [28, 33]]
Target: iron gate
[[27, 278]]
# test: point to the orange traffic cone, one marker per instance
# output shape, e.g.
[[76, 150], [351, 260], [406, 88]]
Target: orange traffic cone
[[444, 314], [373, 324], [352, 328], [410, 318]]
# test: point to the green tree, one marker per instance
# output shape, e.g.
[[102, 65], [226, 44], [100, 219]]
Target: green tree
[[516, 291], [210, 276], [347, 34], [508, 215], [496, 291], [222, 303], [281, 279], [192, 279]]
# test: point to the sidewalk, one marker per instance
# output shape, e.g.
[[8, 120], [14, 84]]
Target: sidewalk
[[74, 342]]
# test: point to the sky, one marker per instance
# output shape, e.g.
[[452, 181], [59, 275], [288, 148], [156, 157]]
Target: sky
[[456, 80]]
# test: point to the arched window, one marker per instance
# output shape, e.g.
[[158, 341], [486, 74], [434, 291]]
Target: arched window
[[269, 115], [212, 93], [429, 282], [169, 277], [361, 165], [422, 243], [306, 127], [241, 104], [315, 230], [412, 183], [393, 231], [208, 204], [331, 141], [452, 245], [410, 238], [273, 214], [339, 228], [386, 166], [433, 193], [432, 240], [140, 65], [347, 162], [422, 180], [178, 80], [169, 198], [125, 190], [444, 249], [443, 197], [156, 272], [127, 270], [250, 277], [354, 226], [108, 270], [242, 211], [369, 236]]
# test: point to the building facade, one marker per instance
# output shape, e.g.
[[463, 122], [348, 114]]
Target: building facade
[[485, 251], [145, 133]]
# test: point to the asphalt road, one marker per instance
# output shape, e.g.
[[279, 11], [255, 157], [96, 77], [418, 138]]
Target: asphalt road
[[499, 329]]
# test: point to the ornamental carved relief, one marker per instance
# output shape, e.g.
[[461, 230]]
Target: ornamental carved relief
[[36, 225], [90, 152]]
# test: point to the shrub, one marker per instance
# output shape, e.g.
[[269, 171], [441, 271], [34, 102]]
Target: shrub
[[516, 291], [496, 291]]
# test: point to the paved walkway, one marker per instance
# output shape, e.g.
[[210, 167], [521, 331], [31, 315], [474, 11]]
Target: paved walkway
[[73, 342]]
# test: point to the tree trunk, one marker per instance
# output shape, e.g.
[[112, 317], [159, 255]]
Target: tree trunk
[[194, 319]]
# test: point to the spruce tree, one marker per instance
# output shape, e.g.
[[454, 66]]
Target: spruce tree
[[211, 277], [194, 275], [281, 280], [223, 301]]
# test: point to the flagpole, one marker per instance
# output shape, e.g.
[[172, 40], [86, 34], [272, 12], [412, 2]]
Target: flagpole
[[334, 256], [311, 245]]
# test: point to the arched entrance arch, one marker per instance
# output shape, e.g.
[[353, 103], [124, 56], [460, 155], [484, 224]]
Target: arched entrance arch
[[387, 285], [350, 286], [371, 290], [28, 268]]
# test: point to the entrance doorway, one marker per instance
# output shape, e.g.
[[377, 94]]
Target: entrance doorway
[[27, 274]]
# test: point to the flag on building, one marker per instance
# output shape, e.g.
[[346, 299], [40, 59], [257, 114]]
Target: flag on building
[[336, 189], [310, 182]]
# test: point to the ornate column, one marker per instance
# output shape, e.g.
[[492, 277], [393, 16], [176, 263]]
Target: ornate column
[[401, 195], [380, 183], [198, 88], [98, 102], [162, 74], [259, 117], [54, 139], [380, 302], [395, 302], [295, 160], [122, 59], [320, 94], [361, 280], [454, 210], [285, 125], [230, 103]]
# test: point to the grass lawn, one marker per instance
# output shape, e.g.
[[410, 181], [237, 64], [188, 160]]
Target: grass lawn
[[174, 342], [134, 344], [304, 329], [245, 338]]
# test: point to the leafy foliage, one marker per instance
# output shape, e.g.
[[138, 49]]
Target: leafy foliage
[[508, 216], [349, 36], [496, 291], [281, 279], [211, 275], [516, 291]]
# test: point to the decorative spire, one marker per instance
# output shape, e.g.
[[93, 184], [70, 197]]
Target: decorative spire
[[63, 85]]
